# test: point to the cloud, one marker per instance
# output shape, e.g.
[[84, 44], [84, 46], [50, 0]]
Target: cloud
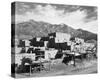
[[91, 26], [50, 14]]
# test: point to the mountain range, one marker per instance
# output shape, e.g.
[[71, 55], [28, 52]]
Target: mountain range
[[32, 28]]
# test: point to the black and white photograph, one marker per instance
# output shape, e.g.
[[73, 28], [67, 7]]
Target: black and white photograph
[[53, 39]]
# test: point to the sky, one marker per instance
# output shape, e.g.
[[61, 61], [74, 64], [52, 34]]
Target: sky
[[84, 17]]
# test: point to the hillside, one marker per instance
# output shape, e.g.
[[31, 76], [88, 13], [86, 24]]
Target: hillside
[[33, 28]]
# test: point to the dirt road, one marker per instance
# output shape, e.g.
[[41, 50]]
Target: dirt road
[[86, 67]]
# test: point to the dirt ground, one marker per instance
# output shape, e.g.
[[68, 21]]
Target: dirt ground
[[84, 67]]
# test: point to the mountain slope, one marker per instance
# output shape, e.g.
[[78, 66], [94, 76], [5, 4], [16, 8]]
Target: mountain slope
[[38, 29], [86, 35]]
